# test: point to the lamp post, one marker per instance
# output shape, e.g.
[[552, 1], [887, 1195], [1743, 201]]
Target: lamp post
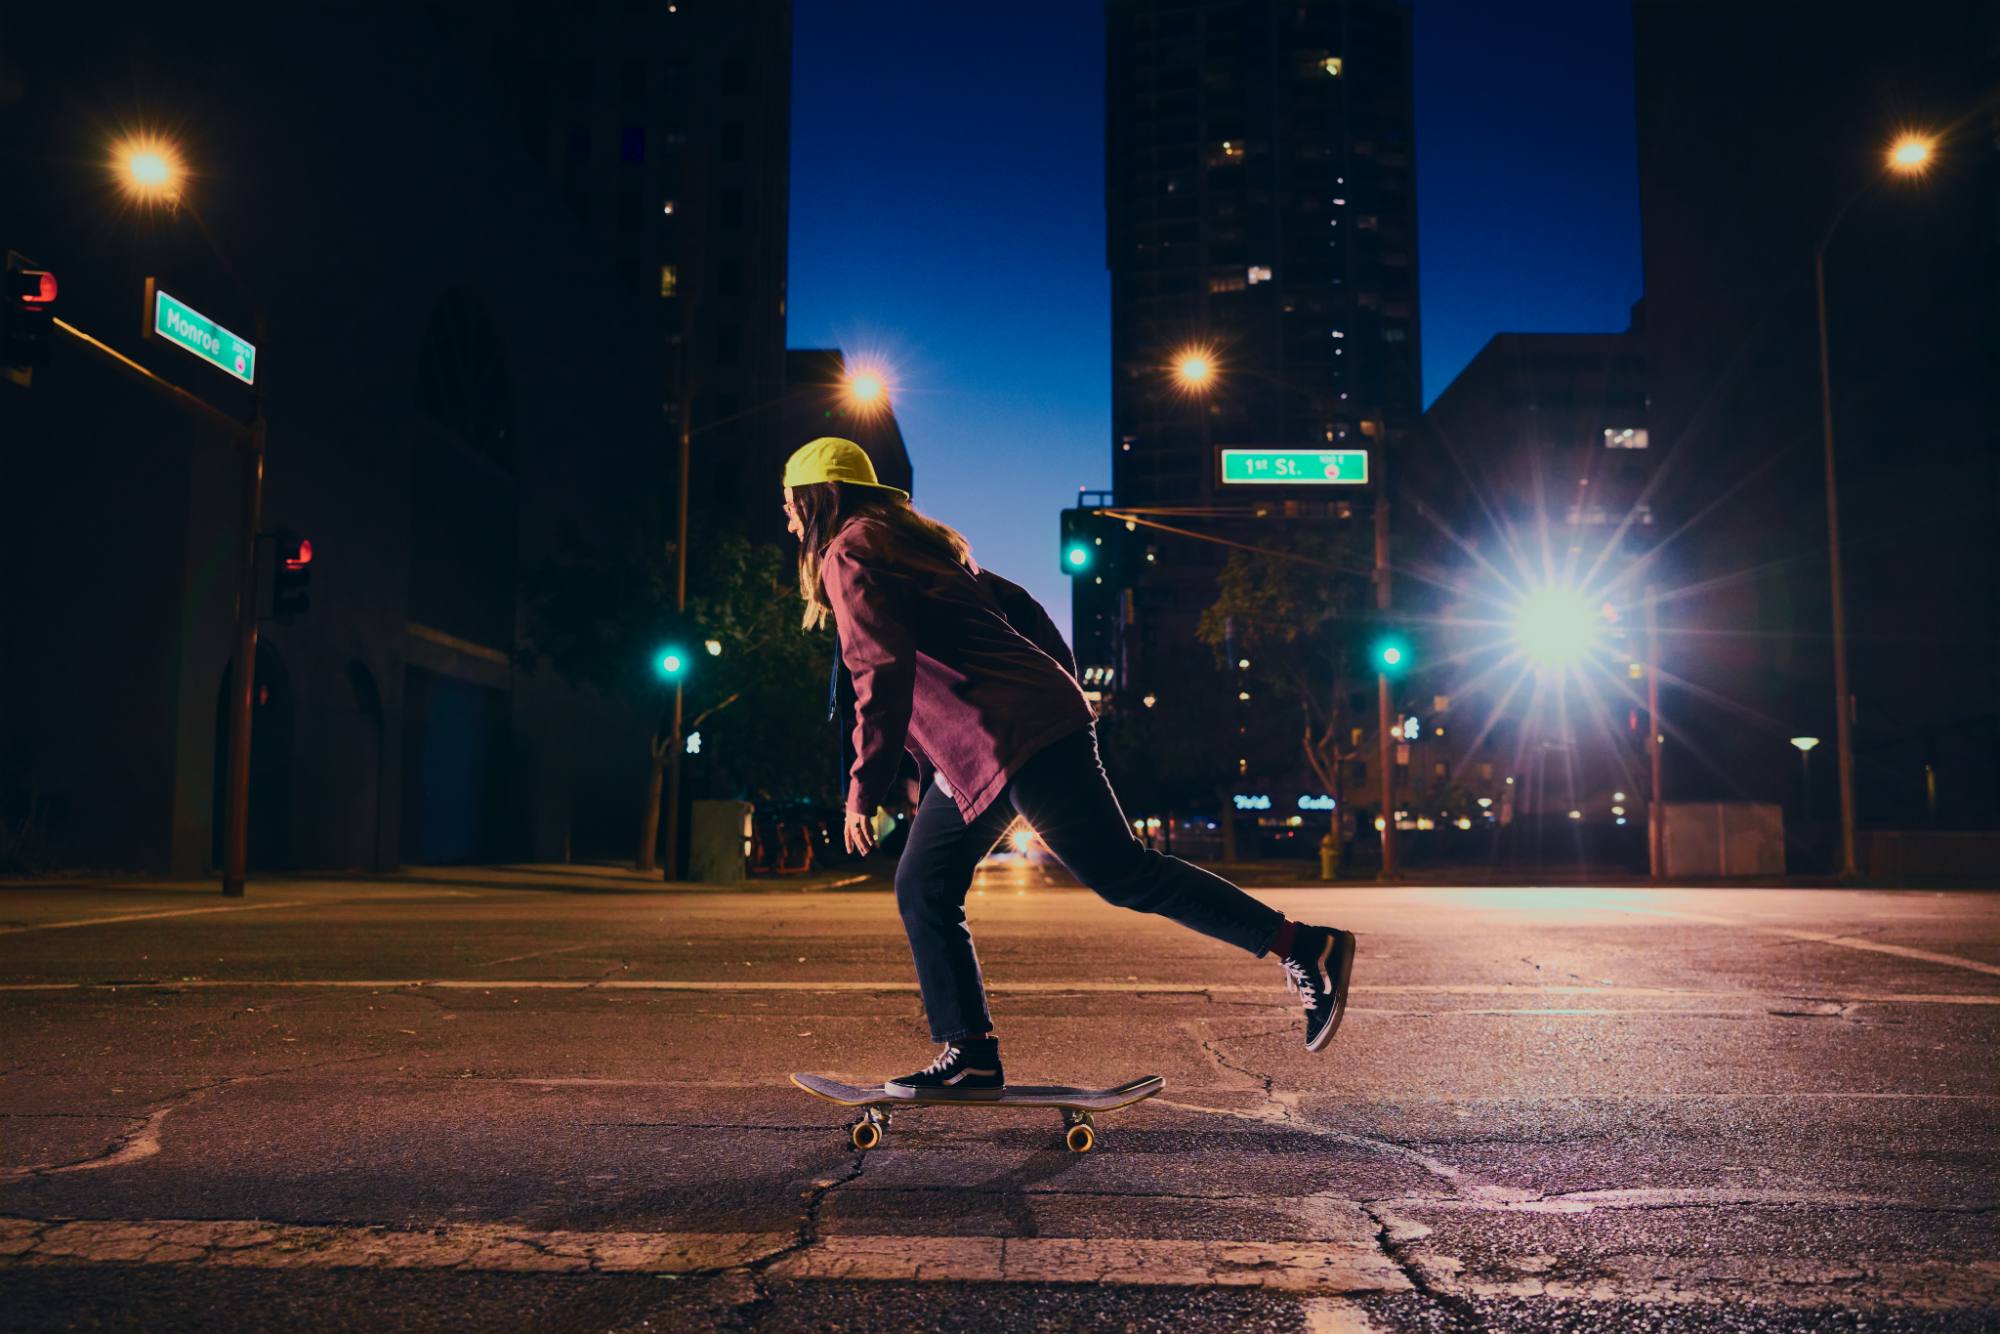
[[865, 391], [1908, 156], [150, 171]]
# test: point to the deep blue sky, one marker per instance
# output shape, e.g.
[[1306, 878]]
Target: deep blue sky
[[948, 219]]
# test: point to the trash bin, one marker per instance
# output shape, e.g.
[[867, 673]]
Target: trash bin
[[719, 842]]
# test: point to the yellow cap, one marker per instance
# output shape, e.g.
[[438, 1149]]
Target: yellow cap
[[831, 459]]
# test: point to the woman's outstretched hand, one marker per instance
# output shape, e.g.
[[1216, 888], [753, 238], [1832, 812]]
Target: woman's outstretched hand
[[860, 832]]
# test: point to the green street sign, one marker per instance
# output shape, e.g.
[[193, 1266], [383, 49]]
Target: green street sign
[[1295, 467], [181, 324]]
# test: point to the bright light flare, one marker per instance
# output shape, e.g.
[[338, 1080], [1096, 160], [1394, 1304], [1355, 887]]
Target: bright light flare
[[1556, 627], [1021, 840], [1194, 369], [148, 169], [1911, 153]]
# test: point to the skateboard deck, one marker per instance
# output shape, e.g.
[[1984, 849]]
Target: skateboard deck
[[1075, 1104]]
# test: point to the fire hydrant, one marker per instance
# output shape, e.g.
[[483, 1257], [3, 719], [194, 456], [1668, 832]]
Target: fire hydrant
[[1329, 856]]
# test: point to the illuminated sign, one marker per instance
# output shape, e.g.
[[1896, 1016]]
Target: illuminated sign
[[1294, 467], [185, 327]]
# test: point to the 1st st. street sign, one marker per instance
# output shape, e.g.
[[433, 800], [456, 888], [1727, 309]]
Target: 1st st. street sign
[[1295, 467]]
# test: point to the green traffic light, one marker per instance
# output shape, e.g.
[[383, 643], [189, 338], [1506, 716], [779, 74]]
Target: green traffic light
[[671, 664], [1392, 654], [1077, 556]]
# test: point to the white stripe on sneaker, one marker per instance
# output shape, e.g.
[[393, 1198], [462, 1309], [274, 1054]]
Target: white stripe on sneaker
[[968, 1071]]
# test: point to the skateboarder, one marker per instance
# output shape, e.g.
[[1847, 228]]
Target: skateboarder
[[965, 671]]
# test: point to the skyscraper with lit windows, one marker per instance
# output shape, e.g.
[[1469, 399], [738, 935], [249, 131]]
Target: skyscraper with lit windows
[[1260, 193]]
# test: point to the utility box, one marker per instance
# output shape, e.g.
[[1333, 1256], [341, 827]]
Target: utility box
[[1713, 839], [719, 842]]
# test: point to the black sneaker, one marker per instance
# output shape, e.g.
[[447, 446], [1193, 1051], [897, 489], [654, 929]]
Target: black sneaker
[[1316, 970], [969, 1070]]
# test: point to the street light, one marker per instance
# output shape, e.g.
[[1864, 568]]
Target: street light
[[866, 391], [1554, 626], [1194, 369], [149, 169], [1910, 155]]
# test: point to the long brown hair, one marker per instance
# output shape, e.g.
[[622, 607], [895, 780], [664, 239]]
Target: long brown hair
[[824, 508]]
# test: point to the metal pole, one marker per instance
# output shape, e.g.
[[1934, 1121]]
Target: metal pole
[[675, 746], [1843, 698], [1656, 806], [236, 816], [1385, 753]]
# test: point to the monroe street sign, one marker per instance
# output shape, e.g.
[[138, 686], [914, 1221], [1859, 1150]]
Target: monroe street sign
[[181, 324], [1295, 467]]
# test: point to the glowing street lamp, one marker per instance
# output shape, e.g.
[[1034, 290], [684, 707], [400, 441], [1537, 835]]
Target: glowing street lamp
[[1908, 156], [149, 169], [865, 390], [1555, 627], [1194, 369], [1911, 154]]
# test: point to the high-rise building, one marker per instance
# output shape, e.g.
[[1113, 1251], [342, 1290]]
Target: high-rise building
[[667, 128], [1756, 132], [1261, 208]]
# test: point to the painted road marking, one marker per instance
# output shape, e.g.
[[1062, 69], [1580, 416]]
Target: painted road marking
[[1018, 988], [1818, 938], [1322, 1271], [1345, 1265], [146, 916]]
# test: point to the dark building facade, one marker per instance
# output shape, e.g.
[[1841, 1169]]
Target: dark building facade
[[1755, 132], [1534, 470], [1261, 213], [450, 375], [666, 129]]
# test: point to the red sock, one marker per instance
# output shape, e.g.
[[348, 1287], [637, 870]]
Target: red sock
[[1281, 940]]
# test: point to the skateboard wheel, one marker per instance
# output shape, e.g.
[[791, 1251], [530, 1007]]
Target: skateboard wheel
[[866, 1135], [1080, 1137]]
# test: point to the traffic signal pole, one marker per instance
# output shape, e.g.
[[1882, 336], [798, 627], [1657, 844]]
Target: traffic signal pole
[[236, 799], [1656, 810], [1385, 754], [675, 745], [243, 684]]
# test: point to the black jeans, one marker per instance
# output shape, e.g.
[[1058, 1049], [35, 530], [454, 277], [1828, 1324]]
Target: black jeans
[[1063, 794]]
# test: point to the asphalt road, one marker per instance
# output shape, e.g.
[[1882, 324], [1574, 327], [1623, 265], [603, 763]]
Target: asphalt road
[[558, 1100]]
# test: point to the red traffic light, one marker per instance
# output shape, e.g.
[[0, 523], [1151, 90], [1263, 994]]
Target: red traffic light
[[300, 556], [32, 287]]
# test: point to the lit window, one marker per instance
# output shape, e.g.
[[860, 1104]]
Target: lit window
[[1339, 334], [1225, 282], [1630, 437], [670, 280], [1259, 274], [1332, 66]]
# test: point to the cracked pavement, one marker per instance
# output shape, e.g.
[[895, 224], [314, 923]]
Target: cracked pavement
[[470, 1100]]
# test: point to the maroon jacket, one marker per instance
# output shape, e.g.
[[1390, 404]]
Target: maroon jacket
[[940, 669]]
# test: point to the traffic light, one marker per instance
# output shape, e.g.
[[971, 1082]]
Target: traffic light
[[1392, 654], [28, 318], [671, 662], [1079, 554], [291, 576]]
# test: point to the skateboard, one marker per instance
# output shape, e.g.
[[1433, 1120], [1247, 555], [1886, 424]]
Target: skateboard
[[1076, 1105]]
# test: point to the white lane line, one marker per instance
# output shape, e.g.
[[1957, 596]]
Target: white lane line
[[146, 916], [1343, 1265], [1743, 998], [540, 954], [1819, 938]]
